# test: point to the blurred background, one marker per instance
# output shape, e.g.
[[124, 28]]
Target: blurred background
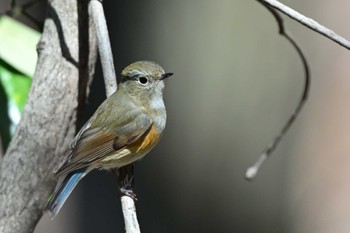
[[236, 82]]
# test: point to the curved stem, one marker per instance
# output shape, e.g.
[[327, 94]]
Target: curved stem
[[252, 171], [308, 22]]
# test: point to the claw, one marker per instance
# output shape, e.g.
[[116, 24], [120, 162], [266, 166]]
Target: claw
[[126, 191]]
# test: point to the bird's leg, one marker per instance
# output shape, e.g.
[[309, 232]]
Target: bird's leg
[[125, 178]]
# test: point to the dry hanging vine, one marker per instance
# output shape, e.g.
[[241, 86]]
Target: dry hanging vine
[[253, 170]]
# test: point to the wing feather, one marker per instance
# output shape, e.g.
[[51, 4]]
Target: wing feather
[[99, 139]]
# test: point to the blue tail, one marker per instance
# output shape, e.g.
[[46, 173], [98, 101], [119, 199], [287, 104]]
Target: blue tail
[[57, 200]]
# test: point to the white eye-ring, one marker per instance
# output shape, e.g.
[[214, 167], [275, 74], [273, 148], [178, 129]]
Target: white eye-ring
[[142, 80]]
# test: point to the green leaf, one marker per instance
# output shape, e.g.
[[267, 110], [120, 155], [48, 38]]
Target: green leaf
[[18, 58], [18, 45], [16, 85], [5, 122], [14, 88]]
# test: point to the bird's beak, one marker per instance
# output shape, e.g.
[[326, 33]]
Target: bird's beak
[[166, 75]]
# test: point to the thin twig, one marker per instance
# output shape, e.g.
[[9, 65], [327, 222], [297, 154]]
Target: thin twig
[[252, 171], [21, 9], [308, 22], [125, 178], [104, 46], [37, 23], [106, 57], [129, 213]]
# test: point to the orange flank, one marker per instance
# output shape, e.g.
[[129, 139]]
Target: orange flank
[[147, 142]]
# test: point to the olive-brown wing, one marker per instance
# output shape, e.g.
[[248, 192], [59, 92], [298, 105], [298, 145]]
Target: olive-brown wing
[[95, 144]]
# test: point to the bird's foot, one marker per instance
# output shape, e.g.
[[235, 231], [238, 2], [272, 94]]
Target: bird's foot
[[127, 191]]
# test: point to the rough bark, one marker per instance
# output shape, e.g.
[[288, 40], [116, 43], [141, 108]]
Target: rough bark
[[67, 54]]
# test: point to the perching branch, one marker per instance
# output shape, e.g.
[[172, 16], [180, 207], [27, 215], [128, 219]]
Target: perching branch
[[129, 213], [252, 171], [106, 57], [104, 46], [125, 178], [308, 22]]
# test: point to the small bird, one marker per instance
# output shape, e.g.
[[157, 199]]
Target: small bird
[[125, 127]]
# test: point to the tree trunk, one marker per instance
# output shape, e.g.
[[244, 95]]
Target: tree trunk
[[67, 55]]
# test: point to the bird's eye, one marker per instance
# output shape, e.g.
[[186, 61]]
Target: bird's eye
[[143, 80]]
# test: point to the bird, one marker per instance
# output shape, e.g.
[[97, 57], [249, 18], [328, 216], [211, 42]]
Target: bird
[[124, 128]]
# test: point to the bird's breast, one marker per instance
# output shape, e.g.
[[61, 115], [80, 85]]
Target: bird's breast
[[158, 112]]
